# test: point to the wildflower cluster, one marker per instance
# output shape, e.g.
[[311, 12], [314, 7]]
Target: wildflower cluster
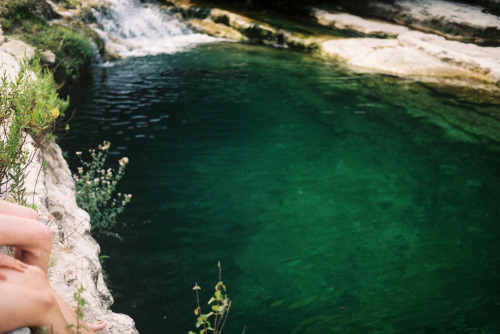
[[96, 190]]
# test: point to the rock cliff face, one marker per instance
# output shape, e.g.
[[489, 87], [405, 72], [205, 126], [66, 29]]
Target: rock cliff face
[[75, 254]]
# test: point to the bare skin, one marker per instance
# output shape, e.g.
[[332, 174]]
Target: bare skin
[[22, 305], [27, 297], [21, 228]]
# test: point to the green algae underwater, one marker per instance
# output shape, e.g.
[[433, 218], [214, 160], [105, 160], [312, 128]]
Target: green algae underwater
[[337, 202]]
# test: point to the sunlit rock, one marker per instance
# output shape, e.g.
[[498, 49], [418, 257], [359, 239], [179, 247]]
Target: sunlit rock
[[356, 23], [481, 60], [388, 56], [246, 26], [451, 18], [48, 57], [216, 29], [11, 53]]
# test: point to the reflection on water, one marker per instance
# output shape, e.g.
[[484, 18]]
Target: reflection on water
[[337, 203]]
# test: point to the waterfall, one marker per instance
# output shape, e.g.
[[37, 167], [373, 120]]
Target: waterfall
[[131, 28]]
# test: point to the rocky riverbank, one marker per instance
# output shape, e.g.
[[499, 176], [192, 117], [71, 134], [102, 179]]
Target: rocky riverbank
[[431, 41]]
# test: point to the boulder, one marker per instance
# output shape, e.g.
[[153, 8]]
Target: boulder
[[48, 57]]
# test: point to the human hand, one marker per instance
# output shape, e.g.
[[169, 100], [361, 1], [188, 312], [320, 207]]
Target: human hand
[[11, 263]]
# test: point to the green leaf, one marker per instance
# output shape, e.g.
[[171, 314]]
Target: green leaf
[[218, 295], [217, 308]]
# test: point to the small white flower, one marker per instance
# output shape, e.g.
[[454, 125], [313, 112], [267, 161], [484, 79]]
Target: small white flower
[[123, 161], [80, 170], [78, 153], [88, 183], [105, 145], [127, 197]]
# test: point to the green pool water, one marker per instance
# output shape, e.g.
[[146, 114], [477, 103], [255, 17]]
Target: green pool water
[[336, 202]]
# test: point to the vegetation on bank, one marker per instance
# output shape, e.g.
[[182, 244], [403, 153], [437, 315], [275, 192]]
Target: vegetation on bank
[[96, 190], [29, 105], [28, 20]]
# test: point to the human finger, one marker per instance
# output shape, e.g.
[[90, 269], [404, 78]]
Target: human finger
[[10, 262]]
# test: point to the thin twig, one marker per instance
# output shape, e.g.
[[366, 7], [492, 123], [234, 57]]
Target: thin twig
[[227, 314]]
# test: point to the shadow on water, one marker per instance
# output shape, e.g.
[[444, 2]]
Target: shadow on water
[[336, 202]]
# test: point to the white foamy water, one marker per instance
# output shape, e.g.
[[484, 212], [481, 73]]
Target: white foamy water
[[131, 28]]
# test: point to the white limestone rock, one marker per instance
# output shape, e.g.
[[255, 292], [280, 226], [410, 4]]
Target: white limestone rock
[[388, 56], [449, 18], [11, 53], [356, 23], [48, 57], [444, 11], [482, 60]]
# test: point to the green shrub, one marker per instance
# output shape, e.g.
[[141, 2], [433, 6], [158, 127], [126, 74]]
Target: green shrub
[[73, 48], [29, 105], [13, 13], [96, 191]]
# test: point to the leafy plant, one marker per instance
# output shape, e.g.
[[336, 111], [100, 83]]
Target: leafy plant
[[220, 305], [29, 105], [96, 190], [77, 296]]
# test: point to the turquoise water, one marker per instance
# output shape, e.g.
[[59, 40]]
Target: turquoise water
[[337, 202]]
